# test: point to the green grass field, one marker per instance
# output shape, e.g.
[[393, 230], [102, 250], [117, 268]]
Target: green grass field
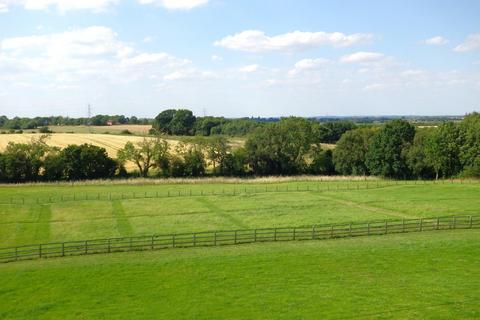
[[411, 276], [430, 275]]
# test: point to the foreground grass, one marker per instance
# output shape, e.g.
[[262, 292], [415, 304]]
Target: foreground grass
[[79, 220], [410, 276]]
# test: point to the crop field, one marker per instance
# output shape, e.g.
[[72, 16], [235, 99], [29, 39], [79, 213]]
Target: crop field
[[429, 275]]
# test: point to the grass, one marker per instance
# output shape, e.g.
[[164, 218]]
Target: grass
[[78, 220], [412, 276], [405, 276]]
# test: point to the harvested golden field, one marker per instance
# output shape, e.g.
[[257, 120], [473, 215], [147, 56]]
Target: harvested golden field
[[115, 129], [112, 143]]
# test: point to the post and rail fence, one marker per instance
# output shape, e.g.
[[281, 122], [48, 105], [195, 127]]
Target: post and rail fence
[[324, 186], [235, 237]]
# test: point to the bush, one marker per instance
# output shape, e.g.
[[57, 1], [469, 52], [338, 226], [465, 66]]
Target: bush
[[126, 131], [44, 130]]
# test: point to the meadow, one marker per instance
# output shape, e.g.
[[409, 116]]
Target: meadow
[[405, 276]]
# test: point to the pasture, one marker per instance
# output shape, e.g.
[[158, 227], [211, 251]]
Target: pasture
[[428, 275]]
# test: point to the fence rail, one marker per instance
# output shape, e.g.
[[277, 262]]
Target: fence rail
[[227, 190], [234, 237]]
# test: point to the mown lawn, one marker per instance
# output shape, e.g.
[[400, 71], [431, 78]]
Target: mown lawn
[[431, 275], [31, 223]]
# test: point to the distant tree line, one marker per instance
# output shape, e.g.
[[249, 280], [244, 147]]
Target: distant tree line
[[290, 146], [18, 123], [182, 122]]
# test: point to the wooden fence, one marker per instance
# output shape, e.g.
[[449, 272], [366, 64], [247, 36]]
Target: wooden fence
[[227, 190], [234, 237]]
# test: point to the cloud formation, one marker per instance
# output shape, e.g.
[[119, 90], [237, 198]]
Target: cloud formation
[[362, 57], [258, 41], [176, 4], [60, 5], [436, 41], [471, 43]]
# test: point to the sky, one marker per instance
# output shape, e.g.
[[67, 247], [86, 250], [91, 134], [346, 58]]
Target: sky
[[239, 58]]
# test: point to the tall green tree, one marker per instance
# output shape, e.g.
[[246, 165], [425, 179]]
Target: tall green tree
[[443, 150], [349, 155], [280, 148], [86, 161], [386, 156], [146, 154]]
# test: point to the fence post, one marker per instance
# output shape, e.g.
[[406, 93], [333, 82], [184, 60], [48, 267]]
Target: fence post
[[438, 223], [313, 232], [255, 235], [275, 234], [152, 242], [173, 240], [403, 225], [386, 226], [194, 239], [294, 233], [368, 229], [471, 222], [63, 249], [421, 224], [235, 237], [16, 253], [108, 250], [86, 246], [40, 251], [454, 222], [215, 238], [350, 229], [331, 231]]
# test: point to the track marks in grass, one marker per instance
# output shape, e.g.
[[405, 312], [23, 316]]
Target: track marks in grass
[[363, 206], [39, 229], [123, 225], [213, 208]]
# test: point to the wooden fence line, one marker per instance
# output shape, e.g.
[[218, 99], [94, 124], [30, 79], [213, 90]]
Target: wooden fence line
[[353, 185], [235, 237]]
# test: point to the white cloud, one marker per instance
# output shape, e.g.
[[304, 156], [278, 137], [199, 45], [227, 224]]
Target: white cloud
[[147, 39], [176, 4], [471, 43], [374, 87], [363, 57], [257, 41], [60, 5], [81, 56], [188, 74], [308, 64], [436, 41], [216, 58], [250, 68]]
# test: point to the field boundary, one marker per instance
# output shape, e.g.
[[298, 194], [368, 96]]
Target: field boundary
[[235, 237], [227, 191]]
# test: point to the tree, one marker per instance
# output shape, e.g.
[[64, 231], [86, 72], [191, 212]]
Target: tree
[[161, 123], [330, 132], [386, 155], [178, 122], [86, 161], [23, 161], [416, 154], [233, 164], [349, 155], [216, 149], [469, 131], [188, 161], [204, 126], [322, 162], [146, 154], [442, 150], [280, 148]]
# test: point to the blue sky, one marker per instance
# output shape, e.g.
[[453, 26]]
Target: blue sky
[[239, 58]]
